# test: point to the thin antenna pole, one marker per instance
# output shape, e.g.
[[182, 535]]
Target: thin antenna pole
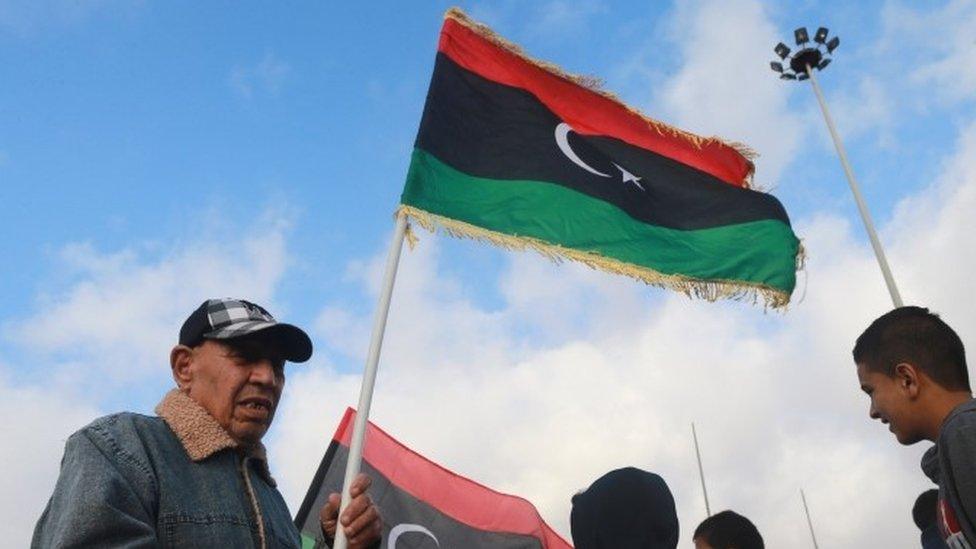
[[369, 374], [861, 206], [701, 472], [809, 522]]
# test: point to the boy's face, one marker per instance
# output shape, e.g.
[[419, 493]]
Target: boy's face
[[892, 400]]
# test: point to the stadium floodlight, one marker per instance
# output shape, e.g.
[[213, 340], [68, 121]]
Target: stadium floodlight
[[801, 36], [809, 56], [832, 45], [807, 60], [782, 50]]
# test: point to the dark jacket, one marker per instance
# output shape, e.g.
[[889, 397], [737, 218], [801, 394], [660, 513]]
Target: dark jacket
[[951, 464], [177, 480]]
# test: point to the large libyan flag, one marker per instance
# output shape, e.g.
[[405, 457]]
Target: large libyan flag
[[424, 506], [514, 151]]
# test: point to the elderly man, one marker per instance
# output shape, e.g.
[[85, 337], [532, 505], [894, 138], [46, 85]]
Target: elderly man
[[196, 475]]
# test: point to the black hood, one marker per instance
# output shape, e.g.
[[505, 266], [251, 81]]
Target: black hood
[[625, 509]]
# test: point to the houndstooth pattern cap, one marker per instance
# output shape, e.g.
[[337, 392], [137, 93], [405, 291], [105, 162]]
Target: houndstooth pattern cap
[[231, 318]]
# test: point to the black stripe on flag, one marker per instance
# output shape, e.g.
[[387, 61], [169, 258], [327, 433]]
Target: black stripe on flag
[[491, 130], [399, 509]]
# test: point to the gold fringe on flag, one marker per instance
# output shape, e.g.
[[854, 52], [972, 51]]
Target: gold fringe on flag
[[710, 290], [595, 85]]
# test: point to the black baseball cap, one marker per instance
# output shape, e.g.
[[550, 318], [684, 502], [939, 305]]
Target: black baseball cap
[[232, 318]]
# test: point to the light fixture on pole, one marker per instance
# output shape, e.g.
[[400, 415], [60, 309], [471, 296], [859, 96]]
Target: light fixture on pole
[[802, 65]]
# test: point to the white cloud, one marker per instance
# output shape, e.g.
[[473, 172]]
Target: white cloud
[[120, 313], [268, 75], [931, 255], [721, 89], [918, 65], [935, 47], [619, 377], [33, 445], [869, 107]]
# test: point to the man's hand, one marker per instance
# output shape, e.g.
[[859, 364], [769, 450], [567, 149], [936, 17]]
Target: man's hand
[[361, 520]]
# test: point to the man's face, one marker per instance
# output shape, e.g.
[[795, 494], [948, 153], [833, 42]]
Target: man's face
[[700, 543], [239, 383], [891, 403]]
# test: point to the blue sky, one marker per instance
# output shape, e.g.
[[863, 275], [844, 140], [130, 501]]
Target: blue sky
[[131, 122], [155, 154]]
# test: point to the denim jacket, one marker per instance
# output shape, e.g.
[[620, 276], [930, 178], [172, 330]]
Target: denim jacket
[[177, 480]]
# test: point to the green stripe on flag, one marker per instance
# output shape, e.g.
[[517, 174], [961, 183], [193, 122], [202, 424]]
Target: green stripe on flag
[[759, 253]]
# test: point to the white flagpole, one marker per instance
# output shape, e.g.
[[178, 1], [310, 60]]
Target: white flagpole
[[809, 522], [861, 206], [701, 472], [369, 374]]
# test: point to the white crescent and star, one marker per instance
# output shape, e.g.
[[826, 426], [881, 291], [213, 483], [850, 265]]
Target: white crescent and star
[[628, 177], [401, 529], [562, 141]]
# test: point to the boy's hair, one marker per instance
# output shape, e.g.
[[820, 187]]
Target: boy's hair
[[916, 336], [729, 530]]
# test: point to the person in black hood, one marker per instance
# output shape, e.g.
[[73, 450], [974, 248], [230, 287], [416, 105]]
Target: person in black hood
[[625, 509], [924, 515]]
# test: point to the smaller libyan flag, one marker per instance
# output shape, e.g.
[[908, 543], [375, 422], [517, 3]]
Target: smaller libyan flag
[[424, 506], [515, 152]]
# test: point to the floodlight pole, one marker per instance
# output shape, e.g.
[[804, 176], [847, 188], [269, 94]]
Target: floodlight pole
[[701, 472], [369, 374], [809, 522], [861, 206]]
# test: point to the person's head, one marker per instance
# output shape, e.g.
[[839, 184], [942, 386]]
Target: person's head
[[906, 359], [625, 509], [727, 530], [230, 359], [924, 510]]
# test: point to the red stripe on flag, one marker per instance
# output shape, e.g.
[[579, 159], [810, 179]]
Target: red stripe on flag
[[458, 497], [585, 110]]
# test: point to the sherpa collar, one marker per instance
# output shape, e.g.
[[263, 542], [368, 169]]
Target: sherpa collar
[[200, 433]]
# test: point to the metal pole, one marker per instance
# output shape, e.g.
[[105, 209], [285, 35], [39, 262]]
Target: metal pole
[[861, 206], [701, 472], [809, 522], [369, 374]]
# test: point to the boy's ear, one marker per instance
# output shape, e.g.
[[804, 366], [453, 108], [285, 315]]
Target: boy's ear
[[907, 378]]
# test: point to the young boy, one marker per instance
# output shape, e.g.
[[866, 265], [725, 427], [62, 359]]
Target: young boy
[[913, 367], [727, 530]]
